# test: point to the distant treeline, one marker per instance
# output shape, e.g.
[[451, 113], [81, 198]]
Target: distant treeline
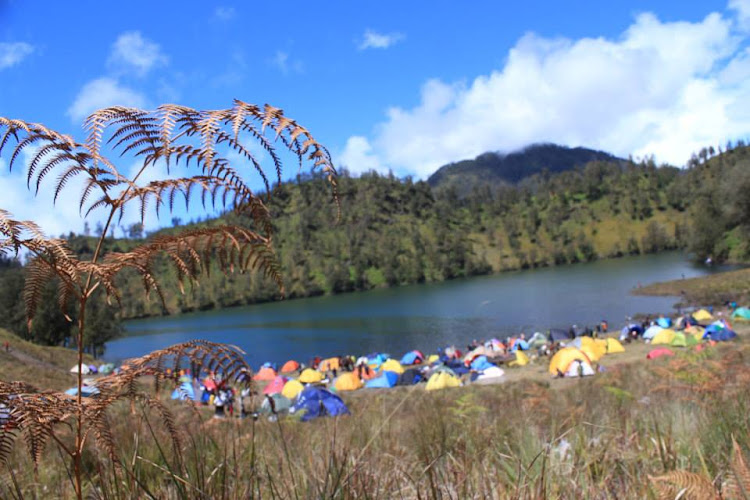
[[397, 231]]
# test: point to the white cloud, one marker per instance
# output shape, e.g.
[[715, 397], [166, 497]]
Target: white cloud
[[285, 64], [132, 52], [742, 9], [101, 93], [13, 53], [660, 88], [358, 156], [223, 13], [374, 40]]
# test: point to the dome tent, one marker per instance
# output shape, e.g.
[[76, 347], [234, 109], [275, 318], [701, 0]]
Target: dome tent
[[314, 402]]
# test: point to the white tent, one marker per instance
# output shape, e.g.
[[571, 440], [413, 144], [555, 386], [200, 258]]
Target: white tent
[[651, 332], [579, 368], [84, 369]]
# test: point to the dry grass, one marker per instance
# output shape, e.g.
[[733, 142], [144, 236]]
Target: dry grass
[[715, 289]]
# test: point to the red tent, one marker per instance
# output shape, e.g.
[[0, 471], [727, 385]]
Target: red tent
[[265, 373], [276, 385]]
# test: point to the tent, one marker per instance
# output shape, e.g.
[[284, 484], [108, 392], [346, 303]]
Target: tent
[[679, 339], [281, 403], [386, 379], [614, 346], [266, 373], [392, 366], [84, 369], [275, 386], [412, 358], [558, 335], [442, 380], [702, 315], [291, 389], [579, 368], [491, 375], [87, 391], [364, 372], [591, 348], [658, 353], [663, 322], [651, 332], [185, 390], [329, 365], [432, 358], [479, 351], [741, 313], [347, 381], [315, 402], [376, 360], [106, 368], [521, 359], [480, 364], [290, 366], [720, 334], [537, 340], [665, 337], [562, 359], [310, 376], [410, 377]]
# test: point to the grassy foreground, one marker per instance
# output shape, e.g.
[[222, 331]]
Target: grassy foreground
[[715, 289], [532, 437]]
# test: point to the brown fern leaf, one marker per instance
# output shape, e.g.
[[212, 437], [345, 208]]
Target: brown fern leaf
[[191, 253], [737, 483], [684, 485]]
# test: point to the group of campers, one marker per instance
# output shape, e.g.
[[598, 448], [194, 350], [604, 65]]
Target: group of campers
[[314, 388]]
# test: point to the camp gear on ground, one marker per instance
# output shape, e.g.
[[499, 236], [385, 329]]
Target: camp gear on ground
[[659, 352], [442, 380]]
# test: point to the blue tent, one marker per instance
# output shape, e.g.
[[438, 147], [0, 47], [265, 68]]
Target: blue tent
[[716, 331], [410, 358], [480, 364], [664, 322], [184, 390], [87, 391], [377, 359], [316, 402], [387, 379]]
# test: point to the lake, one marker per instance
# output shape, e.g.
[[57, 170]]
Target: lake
[[422, 317]]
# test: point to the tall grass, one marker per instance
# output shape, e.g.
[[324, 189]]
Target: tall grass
[[597, 438]]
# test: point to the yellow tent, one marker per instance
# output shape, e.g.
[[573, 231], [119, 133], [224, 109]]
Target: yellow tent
[[591, 348], [702, 315], [564, 357], [432, 358], [291, 389], [348, 381], [441, 380], [521, 359], [614, 346], [666, 336], [392, 365], [310, 376], [329, 364]]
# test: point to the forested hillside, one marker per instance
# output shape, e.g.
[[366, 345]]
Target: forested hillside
[[397, 231], [498, 169]]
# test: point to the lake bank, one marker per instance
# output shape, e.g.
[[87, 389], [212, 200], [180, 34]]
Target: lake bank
[[715, 289]]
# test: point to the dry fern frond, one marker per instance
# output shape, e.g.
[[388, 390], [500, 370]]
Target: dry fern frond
[[683, 485], [737, 483]]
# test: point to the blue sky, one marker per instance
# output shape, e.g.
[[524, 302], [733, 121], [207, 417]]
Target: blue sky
[[401, 86]]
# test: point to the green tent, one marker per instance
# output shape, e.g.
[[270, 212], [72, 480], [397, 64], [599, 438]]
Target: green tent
[[679, 340], [741, 313]]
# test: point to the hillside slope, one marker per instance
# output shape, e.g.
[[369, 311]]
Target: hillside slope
[[497, 168]]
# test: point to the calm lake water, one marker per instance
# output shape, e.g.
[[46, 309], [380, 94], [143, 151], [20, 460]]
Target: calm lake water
[[422, 316]]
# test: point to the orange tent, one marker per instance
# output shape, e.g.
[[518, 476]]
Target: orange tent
[[290, 366], [265, 373], [329, 364]]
